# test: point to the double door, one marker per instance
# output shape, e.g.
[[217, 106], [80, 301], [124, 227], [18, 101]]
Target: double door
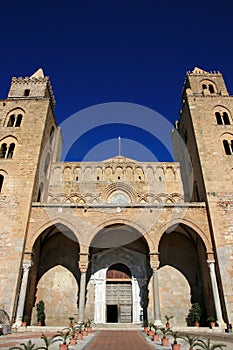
[[119, 302]]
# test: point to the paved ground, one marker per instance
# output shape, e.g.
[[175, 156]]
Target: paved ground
[[114, 340]]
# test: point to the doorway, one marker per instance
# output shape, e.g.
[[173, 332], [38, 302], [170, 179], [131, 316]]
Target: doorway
[[112, 313]]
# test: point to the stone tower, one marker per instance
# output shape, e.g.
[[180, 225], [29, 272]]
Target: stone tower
[[206, 126], [27, 131]]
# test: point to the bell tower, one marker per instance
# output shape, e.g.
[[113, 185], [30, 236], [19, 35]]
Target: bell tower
[[28, 131], [206, 127]]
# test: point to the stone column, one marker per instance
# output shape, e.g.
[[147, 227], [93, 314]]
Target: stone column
[[22, 295], [217, 303], [154, 261], [83, 265]]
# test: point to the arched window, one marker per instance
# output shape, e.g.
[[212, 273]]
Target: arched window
[[226, 119], [3, 150], [18, 120], [26, 92], [218, 118], [11, 121], [204, 87], [118, 272], [227, 147], [15, 121], [1, 182], [211, 89], [10, 150]]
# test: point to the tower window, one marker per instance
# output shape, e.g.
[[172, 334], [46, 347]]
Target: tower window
[[218, 118], [211, 89], [15, 121], [222, 118], [228, 149], [226, 118], [1, 182], [204, 87], [51, 136], [26, 92], [11, 121], [11, 150], [3, 150]]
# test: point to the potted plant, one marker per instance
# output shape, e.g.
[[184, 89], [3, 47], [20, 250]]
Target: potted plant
[[212, 321], [145, 325], [150, 332], [63, 336], [28, 346], [192, 341], [194, 315], [72, 334], [207, 346], [79, 329], [175, 336], [48, 341], [40, 313], [89, 323], [25, 320], [71, 318], [155, 336], [164, 331], [168, 318]]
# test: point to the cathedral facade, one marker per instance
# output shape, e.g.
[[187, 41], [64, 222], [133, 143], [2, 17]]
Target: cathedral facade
[[117, 241]]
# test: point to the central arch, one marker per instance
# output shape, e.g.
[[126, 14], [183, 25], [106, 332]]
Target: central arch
[[118, 274]]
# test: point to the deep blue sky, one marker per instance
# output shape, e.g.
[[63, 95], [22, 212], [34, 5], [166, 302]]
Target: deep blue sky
[[107, 51]]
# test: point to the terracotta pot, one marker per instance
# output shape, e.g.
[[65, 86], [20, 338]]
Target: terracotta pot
[[167, 325], [39, 324], [63, 346], [164, 341], [24, 324], [146, 329], [79, 336], [84, 332], [197, 324], [155, 337], [175, 346], [73, 341], [212, 324], [150, 333], [89, 329]]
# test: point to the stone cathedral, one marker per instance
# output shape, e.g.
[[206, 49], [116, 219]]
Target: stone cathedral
[[116, 241]]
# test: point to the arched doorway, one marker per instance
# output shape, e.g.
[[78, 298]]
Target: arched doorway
[[118, 250], [118, 294]]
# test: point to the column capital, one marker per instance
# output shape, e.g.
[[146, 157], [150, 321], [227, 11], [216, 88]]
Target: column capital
[[83, 262], [27, 265], [210, 256], [154, 260]]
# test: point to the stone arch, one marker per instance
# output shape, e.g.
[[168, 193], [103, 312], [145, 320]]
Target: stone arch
[[56, 221], [56, 245], [189, 224], [16, 111]]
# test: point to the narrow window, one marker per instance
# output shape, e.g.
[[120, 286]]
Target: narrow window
[[226, 147], [218, 118], [76, 178], [46, 166], [40, 192], [118, 178], [98, 178], [51, 135], [204, 87], [26, 92], [226, 119], [3, 150], [197, 197], [18, 120], [1, 182], [11, 121], [11, 150], [211, 89]]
